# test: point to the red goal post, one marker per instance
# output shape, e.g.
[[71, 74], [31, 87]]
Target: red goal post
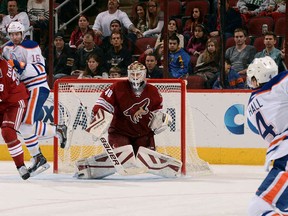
[[177, 141]]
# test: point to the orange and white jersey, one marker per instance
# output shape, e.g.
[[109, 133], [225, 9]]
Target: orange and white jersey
[[28, 52], [34, 76], [267, 112]]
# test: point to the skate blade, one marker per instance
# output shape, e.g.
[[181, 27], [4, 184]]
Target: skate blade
[[40, 170]]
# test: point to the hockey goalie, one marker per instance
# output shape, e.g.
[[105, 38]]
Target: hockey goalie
[[131, 111]]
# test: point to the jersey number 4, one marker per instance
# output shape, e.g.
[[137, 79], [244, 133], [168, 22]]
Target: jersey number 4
[[264, 128]]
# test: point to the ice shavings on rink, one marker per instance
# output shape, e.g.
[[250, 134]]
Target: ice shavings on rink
[[226, 192]]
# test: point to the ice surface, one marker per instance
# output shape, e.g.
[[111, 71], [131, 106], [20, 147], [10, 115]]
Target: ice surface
[[225, 192]]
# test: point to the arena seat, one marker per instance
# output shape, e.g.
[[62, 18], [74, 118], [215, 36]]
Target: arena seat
[[142, 43], [255, 25], [195, 82]]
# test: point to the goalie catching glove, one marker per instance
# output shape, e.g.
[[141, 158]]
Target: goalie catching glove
[[159, 121]]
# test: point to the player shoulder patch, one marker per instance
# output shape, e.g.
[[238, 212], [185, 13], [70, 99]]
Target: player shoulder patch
[[29, 44]]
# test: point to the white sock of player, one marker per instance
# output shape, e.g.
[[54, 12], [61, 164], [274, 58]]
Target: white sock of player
[[45, 130], [32, 144]]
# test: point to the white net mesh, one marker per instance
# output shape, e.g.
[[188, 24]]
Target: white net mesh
[[81, 144]]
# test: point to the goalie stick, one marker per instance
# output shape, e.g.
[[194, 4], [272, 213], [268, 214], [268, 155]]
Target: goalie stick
[[97, 128]]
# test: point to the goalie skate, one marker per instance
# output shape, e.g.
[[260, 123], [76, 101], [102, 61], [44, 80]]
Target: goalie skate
[[39, 165]]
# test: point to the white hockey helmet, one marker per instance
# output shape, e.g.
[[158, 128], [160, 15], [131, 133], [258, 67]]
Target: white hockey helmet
[[136, 74], [16, 26], [263, 69]]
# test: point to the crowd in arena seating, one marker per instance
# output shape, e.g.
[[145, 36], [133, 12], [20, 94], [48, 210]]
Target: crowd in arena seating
[[105, 46]]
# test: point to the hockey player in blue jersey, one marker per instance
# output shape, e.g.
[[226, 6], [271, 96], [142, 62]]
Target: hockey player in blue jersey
[[268, 111], [26, 57]]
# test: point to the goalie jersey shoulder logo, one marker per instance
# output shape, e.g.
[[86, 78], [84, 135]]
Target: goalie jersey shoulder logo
[[137, 110]]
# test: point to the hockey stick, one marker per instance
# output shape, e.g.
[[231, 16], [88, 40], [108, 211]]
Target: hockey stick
[[97, 129]]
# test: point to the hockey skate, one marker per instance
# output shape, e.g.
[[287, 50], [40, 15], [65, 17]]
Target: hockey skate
[[24, 173], [39, 165], [62, 134]]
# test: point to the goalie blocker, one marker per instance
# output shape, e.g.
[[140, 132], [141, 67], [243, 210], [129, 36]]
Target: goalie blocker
[[147, 160]]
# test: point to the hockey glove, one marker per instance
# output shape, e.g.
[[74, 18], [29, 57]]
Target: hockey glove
[[18, 66], [159, 121]]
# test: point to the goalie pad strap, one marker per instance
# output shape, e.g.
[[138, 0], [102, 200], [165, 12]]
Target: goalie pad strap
[[157, 163], [100, 166]]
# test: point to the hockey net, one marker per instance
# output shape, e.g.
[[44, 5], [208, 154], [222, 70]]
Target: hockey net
[[177, 141]]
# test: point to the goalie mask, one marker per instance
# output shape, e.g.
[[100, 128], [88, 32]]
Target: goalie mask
[[261, 70], [136, 74]]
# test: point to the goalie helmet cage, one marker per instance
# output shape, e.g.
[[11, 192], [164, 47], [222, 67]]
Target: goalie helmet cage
[[69, 111]]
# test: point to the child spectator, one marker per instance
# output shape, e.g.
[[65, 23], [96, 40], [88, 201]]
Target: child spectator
[[232, 79], [196, 18], [115, 72], [197, 43], [211, 53]]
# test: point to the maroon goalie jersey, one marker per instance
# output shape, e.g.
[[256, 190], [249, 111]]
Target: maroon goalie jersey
[[131, 113], [11, 90]]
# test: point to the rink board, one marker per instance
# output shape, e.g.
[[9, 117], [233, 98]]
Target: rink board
[[223, 135]]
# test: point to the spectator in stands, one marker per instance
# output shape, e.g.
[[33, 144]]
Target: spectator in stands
[[232, 79], [240, 55], [22, 7], [252, 7], [14, 15], [232, 21], [275, 9], [63, 57], [92, 68], [76, 39], [270, 40], [195, 18], [153, 71], [115, 72], [172, 29], [139, 19], [38, 12], [179, 59], [197, 43], [102, 22], [158, 52], [115, 26], [208, 63], [155, 18], [211, 52], [82, 54], [117, 55]]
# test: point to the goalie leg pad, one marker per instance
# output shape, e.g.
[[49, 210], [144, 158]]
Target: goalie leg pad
[[158, 164], [100, 166], [94, 168]]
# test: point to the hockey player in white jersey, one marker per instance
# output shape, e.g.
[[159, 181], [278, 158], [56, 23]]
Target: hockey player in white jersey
[[268, 111], [25, 56]]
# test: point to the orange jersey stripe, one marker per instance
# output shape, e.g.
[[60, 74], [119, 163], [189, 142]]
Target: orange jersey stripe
[[32, 104], [269, 197]]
